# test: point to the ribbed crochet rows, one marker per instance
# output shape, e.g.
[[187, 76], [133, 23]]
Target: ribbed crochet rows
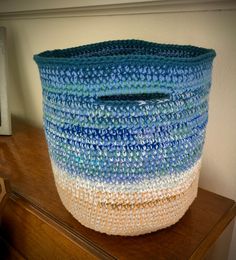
[[128, 209], [129, 115]]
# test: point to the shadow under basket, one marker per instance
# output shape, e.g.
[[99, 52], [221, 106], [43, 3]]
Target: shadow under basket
[[125, 125]]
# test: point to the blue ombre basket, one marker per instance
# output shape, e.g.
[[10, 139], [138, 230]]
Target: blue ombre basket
[[125, 124]]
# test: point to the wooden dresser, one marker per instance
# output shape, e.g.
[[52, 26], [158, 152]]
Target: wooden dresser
[[35, 225]]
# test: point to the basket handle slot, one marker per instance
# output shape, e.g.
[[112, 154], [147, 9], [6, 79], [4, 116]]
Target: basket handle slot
[[136, 97]]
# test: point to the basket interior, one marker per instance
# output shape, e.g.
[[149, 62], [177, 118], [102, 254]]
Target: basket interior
[[136, 97], [128, 47]]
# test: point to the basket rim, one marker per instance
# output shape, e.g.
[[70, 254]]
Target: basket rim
[[57, 55]]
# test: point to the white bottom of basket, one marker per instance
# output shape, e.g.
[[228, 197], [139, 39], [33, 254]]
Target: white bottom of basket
[[128, 209]]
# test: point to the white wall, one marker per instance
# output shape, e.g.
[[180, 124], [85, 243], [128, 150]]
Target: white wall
[[214, 29]]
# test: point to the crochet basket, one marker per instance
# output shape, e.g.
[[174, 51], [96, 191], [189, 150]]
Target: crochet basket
[[125, 124]]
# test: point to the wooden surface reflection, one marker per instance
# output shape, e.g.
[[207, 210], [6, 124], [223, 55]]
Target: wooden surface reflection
[[24, 159]]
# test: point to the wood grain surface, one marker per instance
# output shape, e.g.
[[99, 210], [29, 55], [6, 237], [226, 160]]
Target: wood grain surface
[[39, 215], [8, 252]]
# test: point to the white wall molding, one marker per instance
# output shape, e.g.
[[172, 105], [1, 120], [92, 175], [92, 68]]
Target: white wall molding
[[112, 7]]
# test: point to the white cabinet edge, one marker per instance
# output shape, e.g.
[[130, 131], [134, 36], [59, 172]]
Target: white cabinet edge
[[5, 126]]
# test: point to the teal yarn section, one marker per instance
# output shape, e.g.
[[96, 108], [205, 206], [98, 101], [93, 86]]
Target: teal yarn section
[[123, 111]]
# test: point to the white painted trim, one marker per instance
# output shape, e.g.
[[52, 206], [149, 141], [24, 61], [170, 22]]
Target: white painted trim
[[5, 122], [115, 7]]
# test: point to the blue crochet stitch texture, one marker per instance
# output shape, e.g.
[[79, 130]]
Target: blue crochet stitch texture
[[127, 110]]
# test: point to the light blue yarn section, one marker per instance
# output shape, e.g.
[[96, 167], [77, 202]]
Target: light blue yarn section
[[124, 111]]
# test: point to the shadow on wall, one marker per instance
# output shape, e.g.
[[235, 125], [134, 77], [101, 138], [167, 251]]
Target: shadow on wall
[[16, 92], [21, 97], [207, 171]]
